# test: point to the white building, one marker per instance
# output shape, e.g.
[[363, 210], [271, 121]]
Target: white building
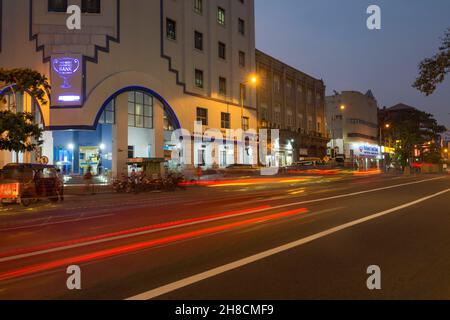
[[135, 71], [352, 122]]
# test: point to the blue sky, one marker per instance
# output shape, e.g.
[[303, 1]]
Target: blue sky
[[329, 39]]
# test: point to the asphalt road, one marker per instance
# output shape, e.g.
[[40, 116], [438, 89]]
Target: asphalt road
[[298, 238]]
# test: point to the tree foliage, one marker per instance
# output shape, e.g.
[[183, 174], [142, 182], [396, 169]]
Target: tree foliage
[[432, 71], [412, 129], [18, 132], [22, 80]]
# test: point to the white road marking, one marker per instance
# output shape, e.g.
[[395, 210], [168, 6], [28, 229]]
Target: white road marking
[[260, 256], [44, 224], [126, 236]]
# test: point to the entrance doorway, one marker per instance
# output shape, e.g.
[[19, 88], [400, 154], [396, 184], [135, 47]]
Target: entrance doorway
[[90, 157]]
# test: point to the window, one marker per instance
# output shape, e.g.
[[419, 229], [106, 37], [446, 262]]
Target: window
[[289, 118], [168, 126], [198, 6], [57, 5], [245, 123], [225, 120], [221, 16], [289, 88], [202, 116], [222, 86], [140, 110], [263, 112], [241, 26], [130, 152], [171, 29], [310, 124], [277, 114], [300, 120], [222, 50], [198, 40], [90, 6], [198, 78], [242, 59], [108, 115], [243, 92], [277, 84], [309, 96]]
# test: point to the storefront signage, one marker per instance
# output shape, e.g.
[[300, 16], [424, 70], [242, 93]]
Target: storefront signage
[[366, 150], [66, 77]]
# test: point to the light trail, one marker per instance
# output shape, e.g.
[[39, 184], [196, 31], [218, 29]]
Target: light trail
[[63, 245], [102, 254]]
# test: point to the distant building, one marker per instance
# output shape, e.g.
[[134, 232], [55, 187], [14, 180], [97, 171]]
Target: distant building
[[294, 102], [385, 115], [352, 123]]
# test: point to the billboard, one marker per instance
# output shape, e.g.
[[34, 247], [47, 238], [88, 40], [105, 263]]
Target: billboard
[[66, 77]]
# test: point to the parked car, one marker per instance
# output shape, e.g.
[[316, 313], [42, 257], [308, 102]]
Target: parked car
[[29, 183], [306, 163]]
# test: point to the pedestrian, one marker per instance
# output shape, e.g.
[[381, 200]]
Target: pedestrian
[[60, 184], [88, 180], [199, 173]]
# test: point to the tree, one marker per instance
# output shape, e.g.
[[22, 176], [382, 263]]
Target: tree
[[412, 129], [433, 70], [24, 80], [18, 132]]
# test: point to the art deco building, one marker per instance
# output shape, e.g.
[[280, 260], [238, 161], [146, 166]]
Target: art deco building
[[352, 121], [135, 71]]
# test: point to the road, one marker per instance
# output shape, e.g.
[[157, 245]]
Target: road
[[290, 238]]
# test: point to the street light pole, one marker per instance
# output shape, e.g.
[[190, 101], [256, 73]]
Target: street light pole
[[333, 119], [254, 81]]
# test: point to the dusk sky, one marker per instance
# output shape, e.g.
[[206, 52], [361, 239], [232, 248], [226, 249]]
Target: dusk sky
[[329, 39]]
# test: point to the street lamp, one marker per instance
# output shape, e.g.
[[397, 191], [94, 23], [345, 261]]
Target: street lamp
[[341, 108], [253, 80], [386, 126]]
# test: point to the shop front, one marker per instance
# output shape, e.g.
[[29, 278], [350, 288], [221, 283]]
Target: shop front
[[365, 156]]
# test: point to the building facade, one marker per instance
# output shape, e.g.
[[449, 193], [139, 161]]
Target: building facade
[[294, 103], [132, 75], [352, 123]]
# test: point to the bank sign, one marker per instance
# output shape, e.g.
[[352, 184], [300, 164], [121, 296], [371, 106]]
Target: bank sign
[[366, 150], [66, 77]]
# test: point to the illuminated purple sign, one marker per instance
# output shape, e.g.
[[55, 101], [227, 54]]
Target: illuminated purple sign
[[66, 68], [66, 74]]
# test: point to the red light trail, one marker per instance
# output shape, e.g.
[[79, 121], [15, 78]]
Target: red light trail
[[140, 246], [159, 226]]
